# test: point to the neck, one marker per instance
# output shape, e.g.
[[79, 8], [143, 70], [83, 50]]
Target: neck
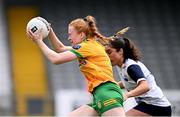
[[121, 61]]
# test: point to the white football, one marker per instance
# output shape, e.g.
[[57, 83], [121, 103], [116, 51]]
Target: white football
[[38, 23]]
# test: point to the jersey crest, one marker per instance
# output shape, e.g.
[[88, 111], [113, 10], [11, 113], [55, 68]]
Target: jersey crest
[[76, 47]]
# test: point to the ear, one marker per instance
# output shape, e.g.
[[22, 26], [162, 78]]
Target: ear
[[82, 35], [121, 51]]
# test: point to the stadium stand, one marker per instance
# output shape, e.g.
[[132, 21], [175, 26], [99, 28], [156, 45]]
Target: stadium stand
[[5, 75], [154, 27]]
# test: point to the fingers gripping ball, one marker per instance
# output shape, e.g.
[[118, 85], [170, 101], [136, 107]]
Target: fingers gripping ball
[[39, 25]]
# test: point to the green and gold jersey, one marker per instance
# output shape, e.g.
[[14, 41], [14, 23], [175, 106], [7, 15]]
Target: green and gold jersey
[[94, 63]]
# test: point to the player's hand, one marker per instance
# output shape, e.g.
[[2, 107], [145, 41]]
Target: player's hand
[[49, 26], [51, 31], [35, 37], [125, 96]]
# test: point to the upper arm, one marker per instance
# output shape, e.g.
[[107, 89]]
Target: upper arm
[[143, 82], [83, 50], [64, 57], [135, 72], [78, 51], [65, 48], [143, 85]]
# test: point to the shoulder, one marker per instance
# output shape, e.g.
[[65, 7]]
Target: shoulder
[[129, 62]]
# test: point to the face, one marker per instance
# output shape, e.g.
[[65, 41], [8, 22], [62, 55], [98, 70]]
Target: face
[[73, 36], [115, 57]]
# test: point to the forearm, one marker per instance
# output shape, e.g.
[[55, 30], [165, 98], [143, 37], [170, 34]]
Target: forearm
[[139, 90], [56, 43], [50, 54]]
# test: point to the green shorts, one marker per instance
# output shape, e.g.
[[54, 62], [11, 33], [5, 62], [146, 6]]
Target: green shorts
[[106, 96]]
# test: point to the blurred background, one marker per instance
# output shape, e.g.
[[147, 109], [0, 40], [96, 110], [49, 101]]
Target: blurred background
[[31, 85]]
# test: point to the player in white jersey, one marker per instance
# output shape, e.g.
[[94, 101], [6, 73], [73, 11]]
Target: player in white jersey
[[137, 79]]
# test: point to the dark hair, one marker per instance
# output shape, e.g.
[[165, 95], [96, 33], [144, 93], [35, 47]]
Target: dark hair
[[129, 48]]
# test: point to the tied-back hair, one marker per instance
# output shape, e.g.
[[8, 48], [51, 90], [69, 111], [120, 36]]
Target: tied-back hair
[[88, 26], [119, 33], [129, 48]]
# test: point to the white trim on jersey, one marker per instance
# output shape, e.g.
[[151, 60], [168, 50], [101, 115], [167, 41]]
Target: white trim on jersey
[[154, 96], [140, 79]]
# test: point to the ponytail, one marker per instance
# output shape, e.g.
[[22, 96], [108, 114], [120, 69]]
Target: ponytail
[[94, 30], [131, 51], [120, 33]]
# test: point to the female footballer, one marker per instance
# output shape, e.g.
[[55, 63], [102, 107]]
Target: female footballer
[[137, 79], [94, 63]]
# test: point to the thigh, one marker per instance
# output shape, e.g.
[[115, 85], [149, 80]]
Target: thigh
[[119, 111], [84, 110], [106, 97], [148, 109]]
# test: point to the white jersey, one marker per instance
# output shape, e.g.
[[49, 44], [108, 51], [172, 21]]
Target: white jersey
[[132, 72]]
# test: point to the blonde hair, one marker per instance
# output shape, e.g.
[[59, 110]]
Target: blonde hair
[[88, 26]]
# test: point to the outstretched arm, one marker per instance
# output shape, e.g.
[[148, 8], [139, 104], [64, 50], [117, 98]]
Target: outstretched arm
[[54, 57], [56, 43]]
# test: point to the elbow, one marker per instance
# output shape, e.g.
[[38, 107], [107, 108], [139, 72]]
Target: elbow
[[144, 85], [55, 61], [147, 88]]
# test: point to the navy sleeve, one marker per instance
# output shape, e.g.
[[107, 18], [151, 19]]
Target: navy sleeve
[[135, 72]]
